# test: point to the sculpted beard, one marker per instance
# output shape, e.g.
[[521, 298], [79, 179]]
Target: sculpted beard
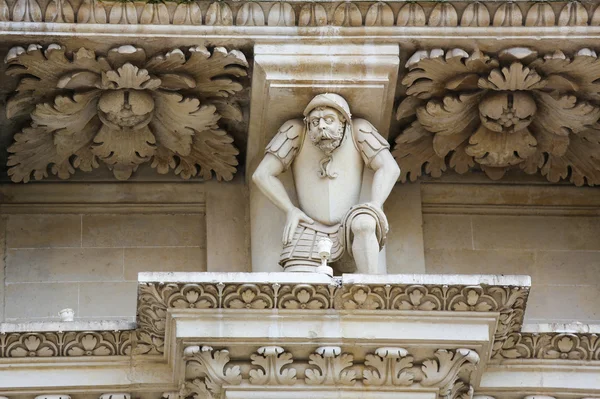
[[327, 140]]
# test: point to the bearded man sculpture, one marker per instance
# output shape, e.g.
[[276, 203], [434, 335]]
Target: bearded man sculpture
[[328, 152]]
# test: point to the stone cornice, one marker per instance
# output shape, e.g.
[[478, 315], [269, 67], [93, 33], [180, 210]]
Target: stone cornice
[[342, 295], [304, 13], [217, 322], [345, 294]]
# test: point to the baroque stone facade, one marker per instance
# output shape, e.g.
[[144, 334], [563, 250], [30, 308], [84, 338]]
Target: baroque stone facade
[[365, 103]]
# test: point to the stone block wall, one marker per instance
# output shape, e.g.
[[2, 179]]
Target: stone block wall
[[549, 233], [89, 262], [81, 246]]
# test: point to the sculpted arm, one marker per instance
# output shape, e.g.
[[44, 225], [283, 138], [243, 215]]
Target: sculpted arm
[[280, 154], [265, 177], [376, 154], [386, 175]]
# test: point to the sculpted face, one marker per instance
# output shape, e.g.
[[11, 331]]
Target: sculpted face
[[326, 128]]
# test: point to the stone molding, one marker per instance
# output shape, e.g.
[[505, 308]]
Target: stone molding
[[448, 371], [155, 299], [102, 198], [484, 197], [208, 353], [351, 14], [65, 344]]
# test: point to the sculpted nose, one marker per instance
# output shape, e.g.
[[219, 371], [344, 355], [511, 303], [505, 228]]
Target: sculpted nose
[[322, 125]]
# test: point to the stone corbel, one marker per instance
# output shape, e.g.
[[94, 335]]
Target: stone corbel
[[209, 372], [285, 78], [513, 109], [123, 108]]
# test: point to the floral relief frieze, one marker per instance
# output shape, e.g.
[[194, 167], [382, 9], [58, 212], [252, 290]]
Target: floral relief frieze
[[124, 109], [70, 344], [156, 299], [448, 371], [516, 109], [262, 13]]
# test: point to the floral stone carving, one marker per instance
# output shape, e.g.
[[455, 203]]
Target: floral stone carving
[[124, 109], [513, 109], [212, 368]]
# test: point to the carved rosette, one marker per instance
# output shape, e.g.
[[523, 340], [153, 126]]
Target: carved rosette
[[514, 109], [124, 109]]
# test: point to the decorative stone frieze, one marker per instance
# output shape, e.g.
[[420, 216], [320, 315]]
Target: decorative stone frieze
[[448, 371], [71, 344], [124, 109], [251, 13], [155, 299], [516, 108], [549, 346]]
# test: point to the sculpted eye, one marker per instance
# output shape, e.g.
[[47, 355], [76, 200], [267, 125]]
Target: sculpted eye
[[315, 122], [329, 120]]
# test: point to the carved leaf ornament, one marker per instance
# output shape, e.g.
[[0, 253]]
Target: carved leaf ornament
[[515, 109], [123, 110]]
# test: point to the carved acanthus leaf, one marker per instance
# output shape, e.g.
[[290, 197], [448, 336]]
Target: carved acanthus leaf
[[211, 366], [414, 152], [124, 109], [430, 72], [331, 367], [445, 371], [272, 370], [389, 366], [453, 120], [498, 111]]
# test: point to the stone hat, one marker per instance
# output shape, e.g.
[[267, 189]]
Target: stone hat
[[329, 100]]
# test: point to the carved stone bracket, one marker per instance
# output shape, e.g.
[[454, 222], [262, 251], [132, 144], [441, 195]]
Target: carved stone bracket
[[513, 109], [124, 109], [211, 368], [448, 371], [68, 344], [271, 362], [332, 367]]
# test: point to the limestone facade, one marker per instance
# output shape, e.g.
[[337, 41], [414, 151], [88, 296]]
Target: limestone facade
[[130, 132]]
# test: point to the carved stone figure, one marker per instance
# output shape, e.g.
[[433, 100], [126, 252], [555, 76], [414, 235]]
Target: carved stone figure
[[328, 152], [124, 109], [514, 109]]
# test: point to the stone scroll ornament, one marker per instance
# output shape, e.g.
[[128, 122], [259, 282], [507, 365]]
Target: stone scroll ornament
[[515, 109], [124, 109]]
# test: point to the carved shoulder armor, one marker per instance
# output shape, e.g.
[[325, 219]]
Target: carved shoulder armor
[[287, 141], [368, 140]]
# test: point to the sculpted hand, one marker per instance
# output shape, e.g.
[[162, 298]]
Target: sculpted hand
[[294, 216]]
